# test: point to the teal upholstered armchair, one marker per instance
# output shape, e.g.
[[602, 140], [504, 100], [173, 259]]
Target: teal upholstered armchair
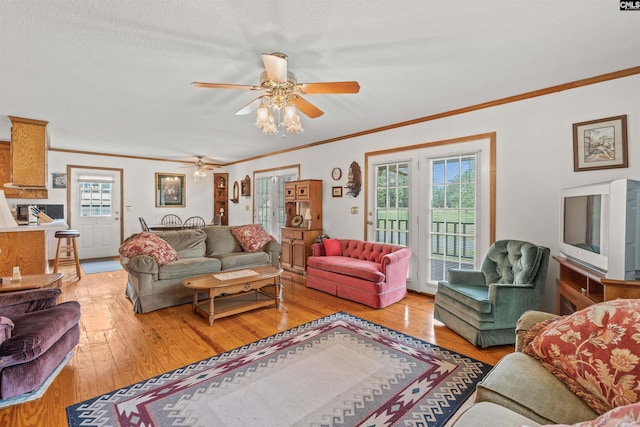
[[484, 306]]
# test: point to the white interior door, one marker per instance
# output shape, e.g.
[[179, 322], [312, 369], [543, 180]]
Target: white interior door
[[95, 209]]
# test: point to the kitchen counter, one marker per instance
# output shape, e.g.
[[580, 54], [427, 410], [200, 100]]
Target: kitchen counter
[[29, 247]]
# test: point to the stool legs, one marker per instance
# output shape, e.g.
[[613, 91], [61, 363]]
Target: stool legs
[[67, 254]]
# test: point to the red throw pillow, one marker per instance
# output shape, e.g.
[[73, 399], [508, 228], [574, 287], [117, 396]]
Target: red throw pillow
[[332, 247], [594, 351], [251, 237], [149, 244]]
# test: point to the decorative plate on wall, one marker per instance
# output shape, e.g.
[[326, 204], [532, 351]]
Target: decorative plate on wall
[[296, 220]]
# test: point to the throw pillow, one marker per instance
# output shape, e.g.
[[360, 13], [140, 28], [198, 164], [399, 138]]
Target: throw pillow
[[332, 247], [149, 244], [251, 237], [622, 416], [594, 351]]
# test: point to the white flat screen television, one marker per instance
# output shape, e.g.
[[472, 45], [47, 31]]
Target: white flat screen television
[[600, 226]]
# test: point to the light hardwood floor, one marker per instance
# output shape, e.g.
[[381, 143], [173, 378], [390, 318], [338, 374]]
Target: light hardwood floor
[[118, 347]]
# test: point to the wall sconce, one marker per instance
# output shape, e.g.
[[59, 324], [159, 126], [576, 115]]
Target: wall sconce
[[354, 180]]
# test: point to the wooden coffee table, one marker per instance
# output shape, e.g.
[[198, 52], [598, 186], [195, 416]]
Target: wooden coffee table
[[32, 281], [234, 291]]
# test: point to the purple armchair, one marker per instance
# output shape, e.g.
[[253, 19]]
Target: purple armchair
[[36, 334]]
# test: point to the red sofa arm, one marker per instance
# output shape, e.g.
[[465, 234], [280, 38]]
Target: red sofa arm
[[395, 266], [317, 249]]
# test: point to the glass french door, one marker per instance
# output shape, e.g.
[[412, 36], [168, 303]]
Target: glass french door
[[436, 201]]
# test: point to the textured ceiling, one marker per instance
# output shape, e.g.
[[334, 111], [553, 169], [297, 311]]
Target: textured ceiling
[[114, 76]]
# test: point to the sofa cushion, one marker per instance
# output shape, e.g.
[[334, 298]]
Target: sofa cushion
[[188, 243], [518, 382], [187, 267], [220, 240], [622, 416], [594, 351], [332, 247], [473, 296], [252, 237], [366, 270], [34, 333], [234, 260], [147, 243]]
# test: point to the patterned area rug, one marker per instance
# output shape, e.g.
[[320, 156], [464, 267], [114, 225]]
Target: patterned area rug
[[337, 370]]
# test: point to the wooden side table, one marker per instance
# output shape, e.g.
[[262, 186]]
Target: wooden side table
[[32, 281]]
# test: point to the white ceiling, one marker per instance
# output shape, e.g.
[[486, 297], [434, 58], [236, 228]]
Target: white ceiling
[[114, 76]]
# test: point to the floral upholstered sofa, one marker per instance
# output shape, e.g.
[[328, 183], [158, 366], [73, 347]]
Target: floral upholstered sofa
[[374, 274], [582, 369], [158, 262]]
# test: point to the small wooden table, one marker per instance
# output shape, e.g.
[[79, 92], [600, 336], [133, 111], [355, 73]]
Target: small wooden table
[[32, 281], [232, 290]]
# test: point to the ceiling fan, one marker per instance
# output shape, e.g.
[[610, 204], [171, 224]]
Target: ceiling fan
[[201, 168], [283, 94]]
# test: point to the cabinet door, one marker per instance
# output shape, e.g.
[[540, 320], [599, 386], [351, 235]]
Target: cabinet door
[[302, 191], [286, 255], [299, 255], [28, 152], [289, 192]]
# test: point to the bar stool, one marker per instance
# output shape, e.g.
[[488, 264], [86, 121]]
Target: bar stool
[[67, 254]]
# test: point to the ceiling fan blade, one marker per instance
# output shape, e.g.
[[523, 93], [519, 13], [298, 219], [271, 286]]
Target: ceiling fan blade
[[225, 86], [276, 66], [330, 87], [252, 106], [307, 108]]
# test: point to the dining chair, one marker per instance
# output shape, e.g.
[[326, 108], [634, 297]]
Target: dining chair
[[194, 222], [171, 219], [143, 224]]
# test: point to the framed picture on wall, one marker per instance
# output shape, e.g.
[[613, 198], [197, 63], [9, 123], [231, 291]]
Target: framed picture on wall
[[600, 144], [336, 191], [170, 190]]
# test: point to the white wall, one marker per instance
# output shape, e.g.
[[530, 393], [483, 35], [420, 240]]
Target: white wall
[[139, 187], [534, 160]]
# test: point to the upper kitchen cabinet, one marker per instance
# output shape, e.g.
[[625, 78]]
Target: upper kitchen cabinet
[[28, 159]]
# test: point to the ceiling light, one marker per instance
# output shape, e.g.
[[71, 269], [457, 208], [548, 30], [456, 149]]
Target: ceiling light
[[275, 105], [199, 173]]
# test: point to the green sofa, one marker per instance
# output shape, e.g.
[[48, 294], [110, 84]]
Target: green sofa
[[520, 391], [208, 250]]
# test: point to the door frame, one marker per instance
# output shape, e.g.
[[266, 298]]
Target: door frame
[[70, 169]]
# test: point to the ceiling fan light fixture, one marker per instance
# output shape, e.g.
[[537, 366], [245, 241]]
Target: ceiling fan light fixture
[[199, 173]]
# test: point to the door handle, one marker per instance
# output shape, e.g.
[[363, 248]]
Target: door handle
[[370, 222]]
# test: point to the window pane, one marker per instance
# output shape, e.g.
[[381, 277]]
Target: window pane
[[392, 203], [453, 215]]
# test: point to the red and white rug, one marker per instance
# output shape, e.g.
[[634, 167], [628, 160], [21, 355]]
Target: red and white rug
[[337, 370]]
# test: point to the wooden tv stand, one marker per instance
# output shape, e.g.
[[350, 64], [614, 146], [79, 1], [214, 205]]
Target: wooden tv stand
[[579, 287]]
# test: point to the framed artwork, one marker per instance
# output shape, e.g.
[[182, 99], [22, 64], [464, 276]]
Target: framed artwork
[[59, 180], [336, 191], [600, 144], [170, 190]]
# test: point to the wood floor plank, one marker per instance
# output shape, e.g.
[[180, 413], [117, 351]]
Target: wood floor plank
[[118, 347]]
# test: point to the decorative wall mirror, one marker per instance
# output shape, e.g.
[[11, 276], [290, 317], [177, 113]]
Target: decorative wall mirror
[[236, 192], [246, 186]]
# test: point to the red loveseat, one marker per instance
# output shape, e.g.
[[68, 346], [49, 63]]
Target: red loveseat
[[374, 274]]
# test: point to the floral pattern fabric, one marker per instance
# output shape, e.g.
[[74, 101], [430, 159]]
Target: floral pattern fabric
[[595, 352], [151, 245], [251, 237]]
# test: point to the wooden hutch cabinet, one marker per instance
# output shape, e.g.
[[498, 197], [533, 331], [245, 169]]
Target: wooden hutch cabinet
[[27, 160], [221, 196], [580, 287], [298, 235]]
